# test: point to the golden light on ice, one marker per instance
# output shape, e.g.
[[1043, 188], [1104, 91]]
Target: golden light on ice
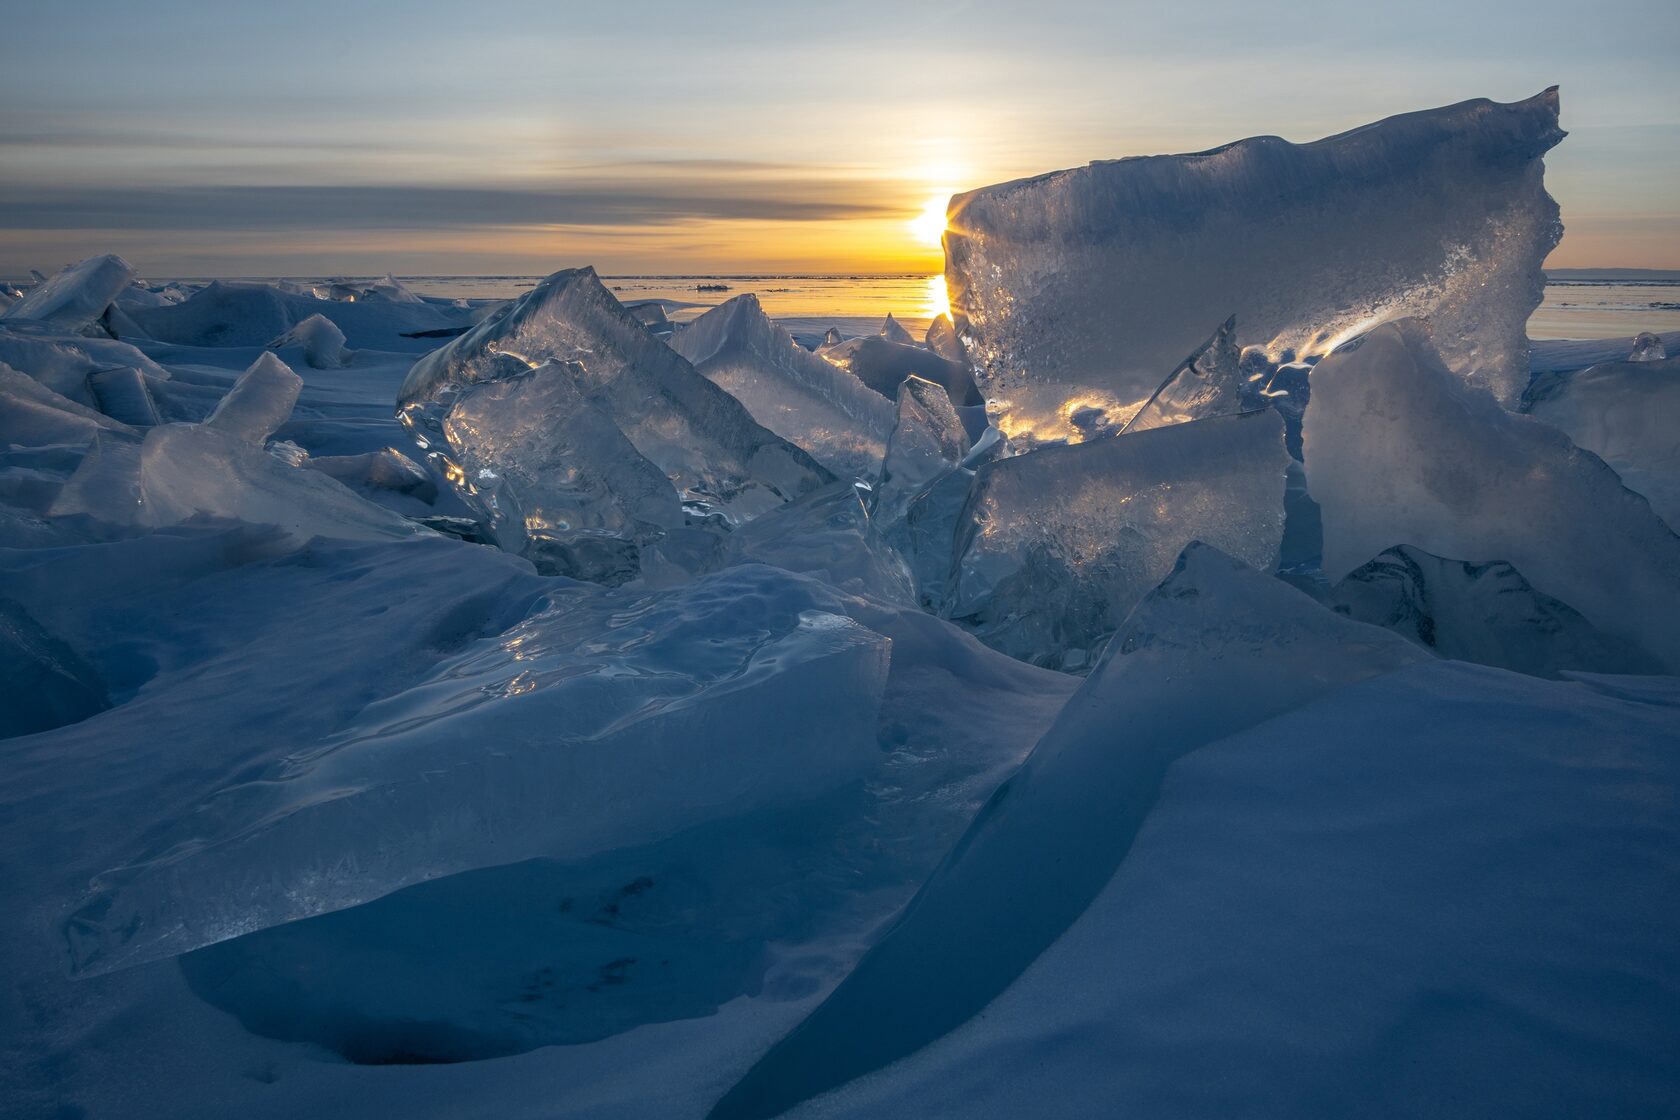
[[929, 225]]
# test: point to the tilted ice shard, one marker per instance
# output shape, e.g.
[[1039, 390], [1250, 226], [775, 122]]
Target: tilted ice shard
[[1486, 613], [122, 394], [1057, 545], [1208, 383], [32, 415], [259, 402], [1074, 290], [827, 534], [942, 340], [608, 720], [1647, 347], [75, 298], [321, 340], [1214, 649], [555, 478], [1628, 414], [826, 411], [926, 534], [720, 461], [1400, 451], [927, 441], [893, 331]]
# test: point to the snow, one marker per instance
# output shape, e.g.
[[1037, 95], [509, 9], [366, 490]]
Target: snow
[[75, 298], [1426, 893], [1055, 547], [1626, 413], [1077, 291], [1215, 649], [1400, 451], [808, 402]]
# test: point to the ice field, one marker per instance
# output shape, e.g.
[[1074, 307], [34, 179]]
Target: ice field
[[1224, 666]]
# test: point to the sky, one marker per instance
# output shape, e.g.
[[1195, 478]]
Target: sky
[[305, 138]]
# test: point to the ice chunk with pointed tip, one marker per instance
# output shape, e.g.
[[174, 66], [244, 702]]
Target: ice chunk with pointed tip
[[808, 402], [831, 337], [75, 298], [259, 402], [123, 394], [929, 440], [942, 340], [1209, 382], [1216, 648], [1400, 451], [721, 462], [32, 415], [1647, 347], [608, 720], [926, 535], [320, 339], [555, 478], [1056, 546], [893, 331], [1486, 613], [1628, 414], [1077, 288], [392, 290]]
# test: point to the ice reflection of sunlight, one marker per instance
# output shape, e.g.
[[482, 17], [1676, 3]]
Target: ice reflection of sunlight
[[929, 225], [938, 298]]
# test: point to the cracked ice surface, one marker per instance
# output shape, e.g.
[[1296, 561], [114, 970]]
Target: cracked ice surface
[[1076, 292]]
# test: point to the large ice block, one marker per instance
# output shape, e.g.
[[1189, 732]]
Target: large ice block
[[609, 720], [75, 298], [722, 463], [63, 362], [1216, 648], [1486, 613], [259, 402], [883, 364], [1400, 451], [1628, 414], [927, 441], [32, 415], [813, 405], [555, 478], [1057, 545], [1074, 291]]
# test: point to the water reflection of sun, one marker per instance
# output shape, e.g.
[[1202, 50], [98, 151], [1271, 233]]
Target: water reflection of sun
[[938, 299]]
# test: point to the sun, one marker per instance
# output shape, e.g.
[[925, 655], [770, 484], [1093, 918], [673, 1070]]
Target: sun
[[929, 225]]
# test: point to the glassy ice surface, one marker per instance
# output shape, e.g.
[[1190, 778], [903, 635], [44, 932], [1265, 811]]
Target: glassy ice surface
[[1057, 545], [122, 394], [721, 463], [259, 402], [601, 721], [63, 362], [1400, 451], [802, 398], [1485, 613], [1075, 292], [32, 415], [927, 441], [883, 364], [561, 484], [1647, 347], [76, 297], [1626, 413], [1210, 382], [893, 331]]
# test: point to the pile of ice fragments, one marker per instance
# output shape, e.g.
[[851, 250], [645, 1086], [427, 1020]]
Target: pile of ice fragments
[[1223, 611]]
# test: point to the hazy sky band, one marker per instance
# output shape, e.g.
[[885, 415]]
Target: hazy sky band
[[312, 137]]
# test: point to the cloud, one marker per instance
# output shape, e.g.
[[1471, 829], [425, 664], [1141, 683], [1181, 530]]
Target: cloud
[[586, 202]]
